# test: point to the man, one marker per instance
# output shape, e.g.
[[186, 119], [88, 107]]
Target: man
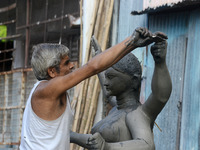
[[47, 117]]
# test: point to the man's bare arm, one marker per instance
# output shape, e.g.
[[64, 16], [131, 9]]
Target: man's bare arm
[[104, 60]]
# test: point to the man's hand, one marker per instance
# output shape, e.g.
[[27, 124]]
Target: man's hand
[[143, 37], [96, 142], [159, 50]]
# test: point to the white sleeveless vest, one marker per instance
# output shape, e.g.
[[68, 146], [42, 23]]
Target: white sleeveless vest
[[39, 134]]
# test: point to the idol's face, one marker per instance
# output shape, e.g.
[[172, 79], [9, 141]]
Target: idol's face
[[116, 83]]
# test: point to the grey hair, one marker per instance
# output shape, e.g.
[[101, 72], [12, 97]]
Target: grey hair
[[47, 55], [129, 65]]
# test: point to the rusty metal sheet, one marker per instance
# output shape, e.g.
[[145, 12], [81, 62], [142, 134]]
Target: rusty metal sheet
[[7, 8]]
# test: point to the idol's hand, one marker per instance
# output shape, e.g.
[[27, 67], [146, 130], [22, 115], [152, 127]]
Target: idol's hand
[[96, 142], [158, 51]]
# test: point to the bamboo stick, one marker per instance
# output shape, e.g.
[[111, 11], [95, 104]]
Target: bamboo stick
[[76, 118], [81, 36], [91, 107], [95, 107], [89, 35], [102, 21], [107, 24], [83, 103], [87, 105], [98, 19]]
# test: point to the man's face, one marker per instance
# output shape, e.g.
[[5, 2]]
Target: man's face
[[116, 83], [65, 66]]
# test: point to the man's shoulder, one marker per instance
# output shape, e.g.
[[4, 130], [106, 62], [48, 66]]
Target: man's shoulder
[[41, 88]]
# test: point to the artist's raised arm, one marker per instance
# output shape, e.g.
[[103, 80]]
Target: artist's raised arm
[[161, 82], [98, 63]]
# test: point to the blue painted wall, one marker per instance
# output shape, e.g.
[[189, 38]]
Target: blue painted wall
[[190, 127], [127, 23]]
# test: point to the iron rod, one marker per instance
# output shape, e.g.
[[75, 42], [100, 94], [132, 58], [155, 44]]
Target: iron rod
[[27, 34]]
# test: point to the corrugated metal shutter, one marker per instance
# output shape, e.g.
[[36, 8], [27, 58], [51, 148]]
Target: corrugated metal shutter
[[175, 25], [190, 129]]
